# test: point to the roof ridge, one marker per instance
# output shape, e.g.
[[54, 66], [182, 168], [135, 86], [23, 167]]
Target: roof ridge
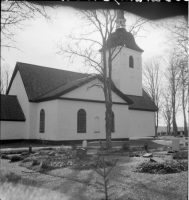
[[61, 86], [50, 68]]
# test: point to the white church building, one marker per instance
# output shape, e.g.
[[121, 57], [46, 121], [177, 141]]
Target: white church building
[[58, 105]]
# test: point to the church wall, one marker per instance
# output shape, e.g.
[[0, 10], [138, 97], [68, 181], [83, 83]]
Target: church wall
[[142, 123], [67, 120], [91, 93], [50, 108], [17, 88], [124, 76], [11, 130]]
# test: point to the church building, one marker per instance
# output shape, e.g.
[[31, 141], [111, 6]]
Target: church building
[[58, 105]]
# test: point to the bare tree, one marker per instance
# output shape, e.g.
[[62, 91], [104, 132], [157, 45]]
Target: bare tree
[[98, 25], [184, 82], [178, 33], [173, 80], [5, 78], [14, 14], [167, 111], [153, 83]]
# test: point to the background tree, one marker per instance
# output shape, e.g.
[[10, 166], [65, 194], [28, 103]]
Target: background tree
[[173, 82], [14, 15], [96, 28], [167, 111], [184, 86], [5, 78], [153, 83]]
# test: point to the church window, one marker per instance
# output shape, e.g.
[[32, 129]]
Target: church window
[[96, 125], [42, 121], [131, 62], [113, 123], [81, 121]]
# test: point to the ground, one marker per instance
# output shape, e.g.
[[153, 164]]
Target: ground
[[67, 183]]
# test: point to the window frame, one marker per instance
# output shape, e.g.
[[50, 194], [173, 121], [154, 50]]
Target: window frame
[[113, 123], [81, 121], [42, 121], [131, 62]]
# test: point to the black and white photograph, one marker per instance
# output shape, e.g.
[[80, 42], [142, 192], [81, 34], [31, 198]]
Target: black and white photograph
[[94, 100]]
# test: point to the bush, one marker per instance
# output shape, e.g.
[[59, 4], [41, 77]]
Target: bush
[[181, 155], [4, 156], [45, 164], [16, 158], [162, 168], [11, 177], [35, 162], [86, 165], [126, 146]]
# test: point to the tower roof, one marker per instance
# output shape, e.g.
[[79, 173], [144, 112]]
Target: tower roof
[[122, 38]]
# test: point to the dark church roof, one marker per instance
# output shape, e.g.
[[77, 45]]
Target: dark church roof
[[41, 80], [42, 84], [142, 103], [122, 38], [11, 109]]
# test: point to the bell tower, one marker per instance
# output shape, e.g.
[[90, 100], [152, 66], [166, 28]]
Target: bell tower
[[127, 65], [120, 21]]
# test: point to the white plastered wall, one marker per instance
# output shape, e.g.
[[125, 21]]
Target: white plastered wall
[[11, 130], [51, 113], [67, 120], [17, 88], [92, 93], [142, 123], [128, 80]]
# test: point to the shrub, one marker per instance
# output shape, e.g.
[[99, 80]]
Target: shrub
[[162, 168], [126, 146], [4, 156], [45, 164], [35, 162], [86, 165], [11, 177], [181, 155], [16, 158]]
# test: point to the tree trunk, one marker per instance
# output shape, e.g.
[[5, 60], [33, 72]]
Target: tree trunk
[[184, 113]]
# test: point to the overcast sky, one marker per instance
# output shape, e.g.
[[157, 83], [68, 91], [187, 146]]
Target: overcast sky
[[37, 42]]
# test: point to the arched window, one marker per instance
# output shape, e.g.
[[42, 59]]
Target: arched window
[[81, 121], [42, 121], [131, 62], [113, 123], [96, 125]]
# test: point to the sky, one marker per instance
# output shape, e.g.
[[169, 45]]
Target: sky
[[37, 42]]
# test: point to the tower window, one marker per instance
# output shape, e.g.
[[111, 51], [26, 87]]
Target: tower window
[[42, 121], [131, 62], [81, 121]]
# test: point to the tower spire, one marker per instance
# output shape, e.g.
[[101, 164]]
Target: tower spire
[[120, 21]]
